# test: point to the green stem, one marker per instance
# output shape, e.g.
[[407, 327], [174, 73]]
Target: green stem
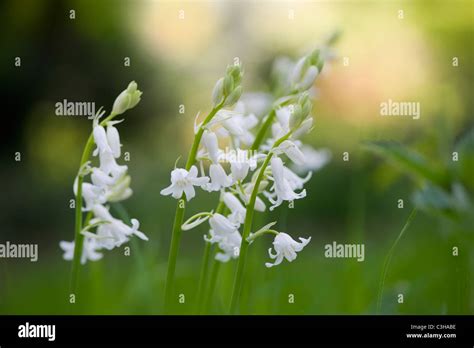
[[175, 240], [78, 237], [247, 227], [263, 130], [179, 213], [79, 240], [212, 283], [255, 235], [203, 275], [205, 265], [389, 258]]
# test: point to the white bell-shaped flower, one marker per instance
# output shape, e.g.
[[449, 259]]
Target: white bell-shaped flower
[[112, 232], [282, 187], [219, 178], [91, 194], [184, 181], [100, 139], [315, 159], [236, 208], [290, 149], [229, 246], [89, 250], [113, 138], [285, 247], [210, 142], [221, 225]]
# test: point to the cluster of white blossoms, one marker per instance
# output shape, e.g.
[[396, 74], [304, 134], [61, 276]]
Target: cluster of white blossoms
[[109, 183], [250, 162]]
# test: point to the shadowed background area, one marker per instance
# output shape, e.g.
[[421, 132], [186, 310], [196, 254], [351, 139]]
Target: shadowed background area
[[176, 53]]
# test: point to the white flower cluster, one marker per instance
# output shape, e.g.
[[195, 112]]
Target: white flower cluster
[[109, 183], [236, 176]]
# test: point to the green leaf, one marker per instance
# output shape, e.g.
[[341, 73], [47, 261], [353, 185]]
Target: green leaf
[[409, 161], [465, 164]]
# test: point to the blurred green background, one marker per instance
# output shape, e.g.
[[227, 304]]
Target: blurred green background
[[177, 61]]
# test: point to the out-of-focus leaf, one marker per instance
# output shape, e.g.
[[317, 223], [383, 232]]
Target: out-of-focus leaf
[[409, 160], [465, 164], [433, 199]]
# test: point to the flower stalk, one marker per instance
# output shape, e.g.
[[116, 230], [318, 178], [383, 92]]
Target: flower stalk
[[237, 288], [180, 208]]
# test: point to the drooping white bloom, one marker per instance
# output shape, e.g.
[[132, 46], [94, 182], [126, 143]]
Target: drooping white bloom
[[221, 225], [120, 190], [89, 250], [113, 138], [109, 166], [184, 181], [100, 179], [210, 142], [282, 187], [245, 196], [229, 246], [237, 125], [91, 194], [219, 178], [100, 139], [296, 183], [112, 232], [237, 209], [108, 150], [315, 159], [285, 247], [257, 103], [225, 233], [292, 151]]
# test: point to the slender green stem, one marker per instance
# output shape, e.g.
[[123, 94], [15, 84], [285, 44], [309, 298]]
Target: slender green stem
[[78, 237], [255, 235], [263, 130], [389, 258], [79, 240], [246, 231], [203, 275], [197, 138], [205, 266], [180, 206], [247, 227], [212, 283], [173, 254]]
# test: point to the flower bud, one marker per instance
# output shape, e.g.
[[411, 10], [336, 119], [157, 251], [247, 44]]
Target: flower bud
[[296, 116], [315, 57], [308, 79], [298, 70], [218, 92], [128, 99], [228, 84], [236, 72], [306, 104], [234, 96]]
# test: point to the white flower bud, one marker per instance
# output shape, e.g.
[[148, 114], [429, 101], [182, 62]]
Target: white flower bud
[[234, 96], [308, 79], [218, 92], [128, 99]]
